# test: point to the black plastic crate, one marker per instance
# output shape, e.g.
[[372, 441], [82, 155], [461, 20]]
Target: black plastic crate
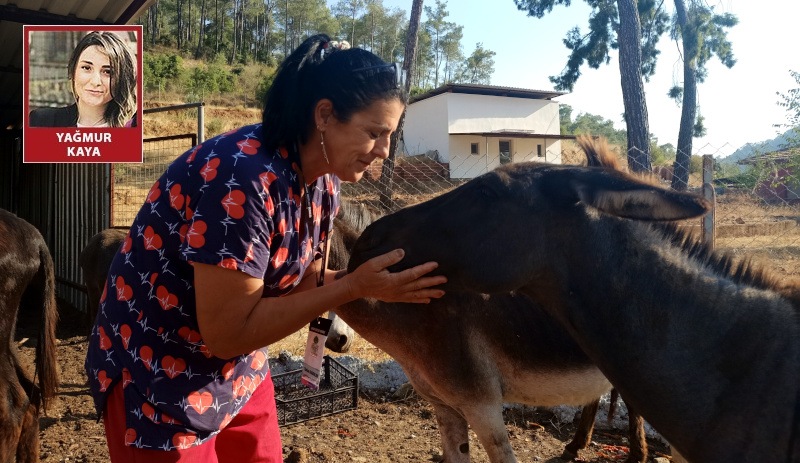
[[338, 392]]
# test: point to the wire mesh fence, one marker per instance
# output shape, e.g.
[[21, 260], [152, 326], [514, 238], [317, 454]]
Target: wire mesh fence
[[130, 183]]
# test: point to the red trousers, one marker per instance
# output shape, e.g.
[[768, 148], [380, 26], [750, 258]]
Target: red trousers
[[252, 435]]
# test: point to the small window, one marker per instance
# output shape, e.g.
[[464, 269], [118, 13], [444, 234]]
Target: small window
[[473, 148], [539, 150], [505, 151]]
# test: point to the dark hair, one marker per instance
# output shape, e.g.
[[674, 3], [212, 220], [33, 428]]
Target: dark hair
[[351, 78], [123, 74]]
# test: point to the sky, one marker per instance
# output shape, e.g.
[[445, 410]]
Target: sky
[[740, 104]]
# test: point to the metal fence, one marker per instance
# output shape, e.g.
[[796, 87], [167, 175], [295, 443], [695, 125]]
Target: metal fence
[[130, 183]]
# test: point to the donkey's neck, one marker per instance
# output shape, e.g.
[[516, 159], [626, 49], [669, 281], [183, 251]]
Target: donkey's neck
[[688, 348]]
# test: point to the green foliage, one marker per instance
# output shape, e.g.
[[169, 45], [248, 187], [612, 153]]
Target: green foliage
[[591, 124], [211, 78], [695, 164], [565, 118], [661, 155], [654, 22], [479, 66], [790, 101], [699, 128], [675, 93], [705, 36], [161, 69]]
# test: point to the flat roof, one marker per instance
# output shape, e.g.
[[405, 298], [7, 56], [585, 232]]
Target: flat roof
[[491, 90]]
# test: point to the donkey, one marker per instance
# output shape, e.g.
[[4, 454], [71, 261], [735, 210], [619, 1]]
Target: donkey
[[705, 348], [468, 354], [27, 285], [95, 260]]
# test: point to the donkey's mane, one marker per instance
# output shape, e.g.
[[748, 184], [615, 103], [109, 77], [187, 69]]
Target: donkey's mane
[[744, 272], [740, 271]]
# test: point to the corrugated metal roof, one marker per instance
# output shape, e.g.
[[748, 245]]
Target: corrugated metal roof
[[15, 13]]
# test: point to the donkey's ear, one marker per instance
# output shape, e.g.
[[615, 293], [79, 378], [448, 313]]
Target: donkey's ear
[[622, 195]]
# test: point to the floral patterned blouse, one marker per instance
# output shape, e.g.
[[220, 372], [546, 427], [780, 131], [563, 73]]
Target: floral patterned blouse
[[226, 202]]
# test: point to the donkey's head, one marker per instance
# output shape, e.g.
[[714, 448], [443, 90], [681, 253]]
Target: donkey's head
[[498, 231]]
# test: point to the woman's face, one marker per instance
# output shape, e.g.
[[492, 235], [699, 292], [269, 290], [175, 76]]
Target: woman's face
[[353, 145], [92, 79]]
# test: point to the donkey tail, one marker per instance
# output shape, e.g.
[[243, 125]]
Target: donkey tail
[[41, 293]]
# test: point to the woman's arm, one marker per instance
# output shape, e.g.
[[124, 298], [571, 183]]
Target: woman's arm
[[234, 319]]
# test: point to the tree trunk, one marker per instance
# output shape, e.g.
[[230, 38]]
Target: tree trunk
[[201, 34], [630, 65], [179, 32], [386, 184], [153, 20], [680, 177]]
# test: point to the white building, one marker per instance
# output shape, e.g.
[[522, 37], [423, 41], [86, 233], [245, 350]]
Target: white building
[[475, 128]]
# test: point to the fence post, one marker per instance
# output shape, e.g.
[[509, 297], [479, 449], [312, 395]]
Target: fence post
[[201, 123], [709, 194]]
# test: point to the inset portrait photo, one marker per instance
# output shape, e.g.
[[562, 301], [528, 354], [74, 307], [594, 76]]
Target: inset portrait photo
[[83, 94]]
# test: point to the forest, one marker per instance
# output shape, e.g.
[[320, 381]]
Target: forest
[[242, 32]]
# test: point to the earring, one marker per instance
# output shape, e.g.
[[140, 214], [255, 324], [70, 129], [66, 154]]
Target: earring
[[322, 144]]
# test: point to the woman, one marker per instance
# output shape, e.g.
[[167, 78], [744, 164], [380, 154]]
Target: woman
[[102, 74], [224, 258]]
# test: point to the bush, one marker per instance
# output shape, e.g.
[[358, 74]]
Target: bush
[[161, 71]]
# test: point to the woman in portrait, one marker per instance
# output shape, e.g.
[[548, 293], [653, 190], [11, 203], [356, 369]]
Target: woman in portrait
[[102, 74]]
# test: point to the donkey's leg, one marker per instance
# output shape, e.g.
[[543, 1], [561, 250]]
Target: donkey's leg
[[453, 432], [636, 436], [583, 435], [28, 447], [487, 421], [11, 401]]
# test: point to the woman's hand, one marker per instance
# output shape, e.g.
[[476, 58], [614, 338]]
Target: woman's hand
[[373, 279]]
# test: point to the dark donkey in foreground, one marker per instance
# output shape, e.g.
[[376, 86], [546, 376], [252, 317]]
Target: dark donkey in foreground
[[469, 354], [707, 350], [27, 285]]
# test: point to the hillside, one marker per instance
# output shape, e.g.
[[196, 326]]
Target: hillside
[[787, 139]]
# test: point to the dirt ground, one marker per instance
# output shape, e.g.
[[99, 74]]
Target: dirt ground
[[380, 429]]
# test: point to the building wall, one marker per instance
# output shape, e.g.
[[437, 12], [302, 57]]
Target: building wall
[[429, 122], [485, 113], [425, 127], [464, 164]]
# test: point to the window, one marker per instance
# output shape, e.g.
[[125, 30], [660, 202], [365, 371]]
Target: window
[[539, 150], [505, 151], [473, 148]]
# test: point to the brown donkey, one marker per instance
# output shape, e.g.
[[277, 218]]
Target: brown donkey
[[707, 350], [27, 284]]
